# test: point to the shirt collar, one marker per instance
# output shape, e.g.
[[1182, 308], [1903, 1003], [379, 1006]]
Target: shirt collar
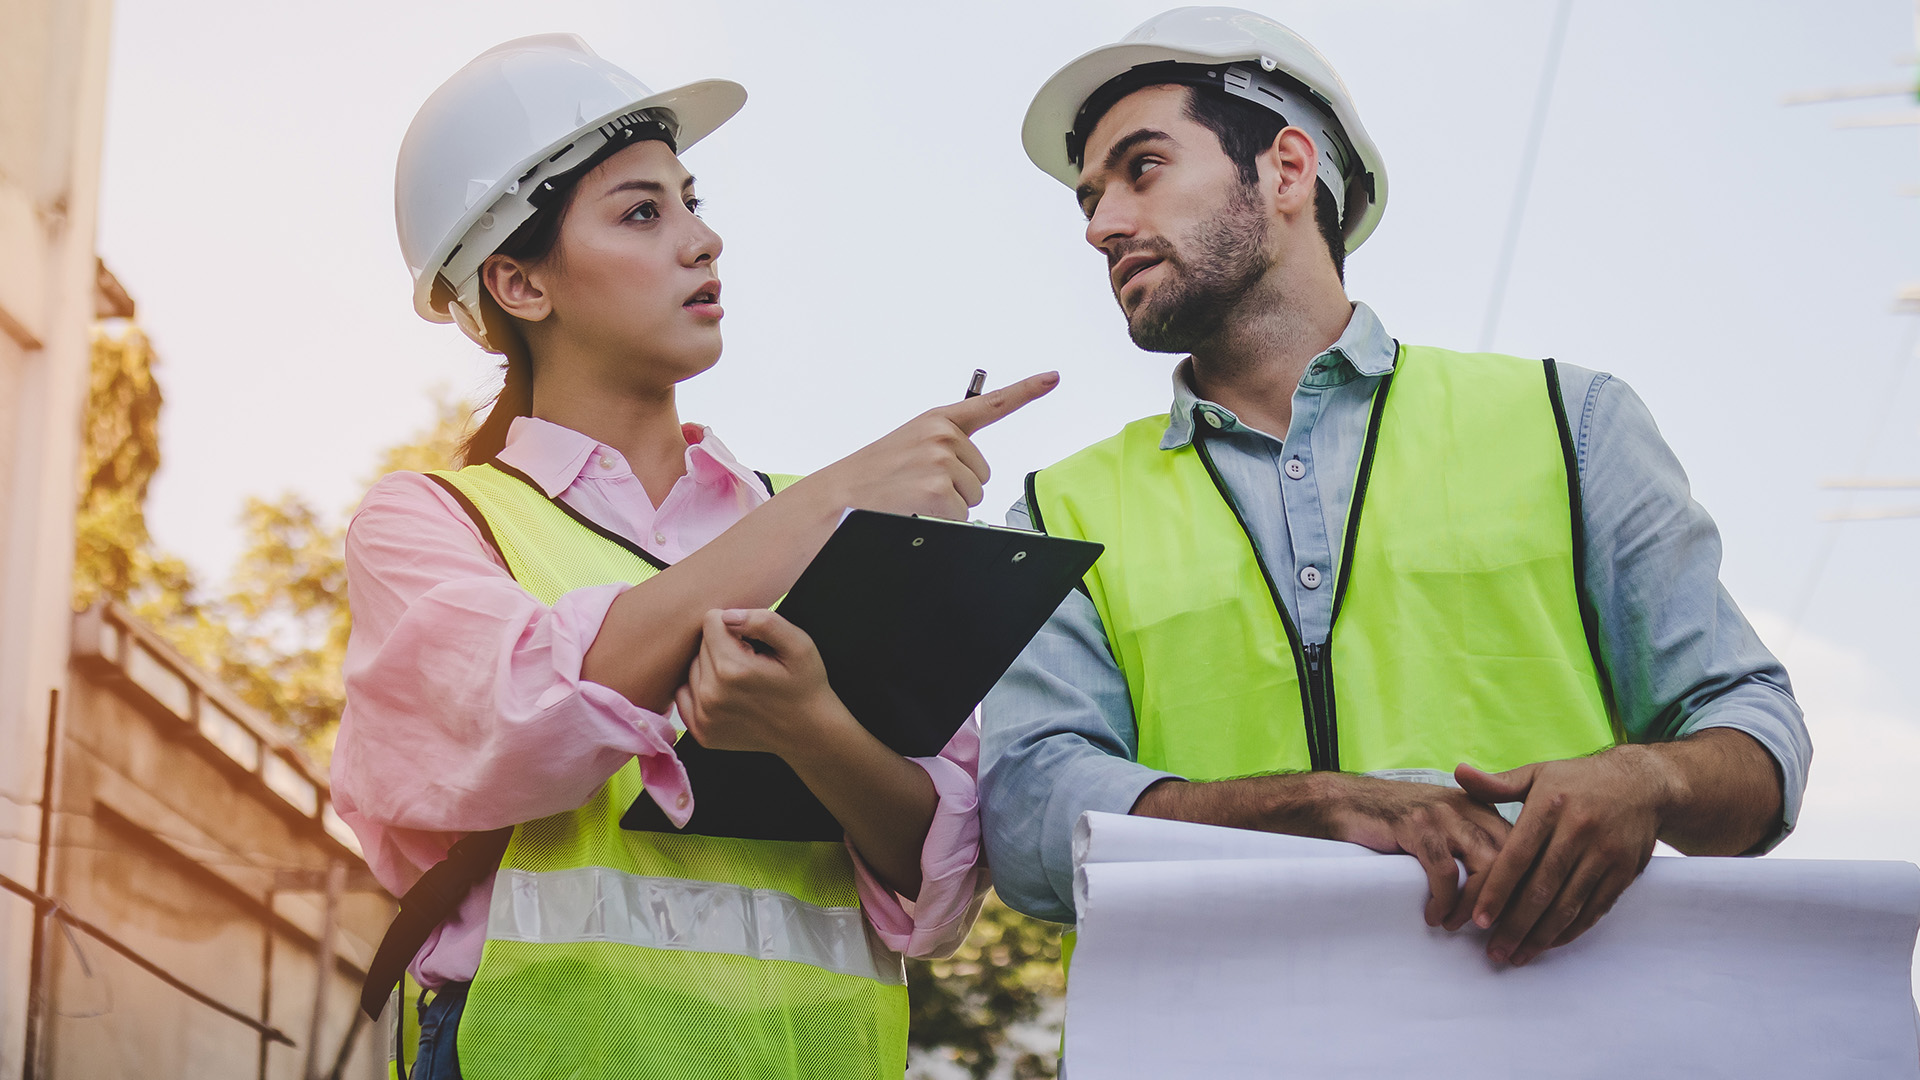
[[1363, 349], [554, 457]]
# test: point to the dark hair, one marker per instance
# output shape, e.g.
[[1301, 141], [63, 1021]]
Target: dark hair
[[1245, 130], [532, 242]]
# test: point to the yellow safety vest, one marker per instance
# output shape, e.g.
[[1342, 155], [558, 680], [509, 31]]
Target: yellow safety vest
[[615, 953], [1459, 629]]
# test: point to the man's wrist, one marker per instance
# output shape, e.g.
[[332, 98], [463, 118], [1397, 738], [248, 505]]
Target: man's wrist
[[1660, 783]]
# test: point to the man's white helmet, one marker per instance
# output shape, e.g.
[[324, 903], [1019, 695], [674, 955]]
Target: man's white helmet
[[475, 158], [1244, 52]]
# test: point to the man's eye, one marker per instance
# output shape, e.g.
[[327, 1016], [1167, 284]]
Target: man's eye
[[646, 211], [1141, 165]]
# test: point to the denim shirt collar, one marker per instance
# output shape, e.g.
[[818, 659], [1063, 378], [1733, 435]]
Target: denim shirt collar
[[1364, 350]]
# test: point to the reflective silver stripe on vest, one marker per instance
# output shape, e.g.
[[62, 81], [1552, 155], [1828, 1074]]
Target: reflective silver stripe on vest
[[596, 903]]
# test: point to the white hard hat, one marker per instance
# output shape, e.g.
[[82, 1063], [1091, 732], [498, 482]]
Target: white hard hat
[[1244, 52], [475, 158]]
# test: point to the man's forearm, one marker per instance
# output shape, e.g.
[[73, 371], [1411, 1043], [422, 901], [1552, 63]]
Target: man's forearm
[[1439, 826], [1296, 803], [1723, 791]]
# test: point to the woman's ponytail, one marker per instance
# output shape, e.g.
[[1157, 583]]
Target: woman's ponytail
[[516, 392]]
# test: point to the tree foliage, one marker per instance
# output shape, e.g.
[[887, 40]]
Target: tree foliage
[[1005, 976], [114, 557], [276, 634]]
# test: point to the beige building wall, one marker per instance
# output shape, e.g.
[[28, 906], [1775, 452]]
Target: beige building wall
[[53, 63], [191, 831]]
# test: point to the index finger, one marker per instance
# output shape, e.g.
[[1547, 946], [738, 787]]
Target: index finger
[[1517, 854], [972, 414]]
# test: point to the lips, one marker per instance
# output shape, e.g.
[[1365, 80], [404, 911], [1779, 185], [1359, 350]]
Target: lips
[[707, 294], [1130, 267]]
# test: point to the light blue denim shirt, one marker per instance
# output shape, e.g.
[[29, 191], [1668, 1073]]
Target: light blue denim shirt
[[1058, 733]]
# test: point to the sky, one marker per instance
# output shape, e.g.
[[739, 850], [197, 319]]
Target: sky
[[1732, 258]]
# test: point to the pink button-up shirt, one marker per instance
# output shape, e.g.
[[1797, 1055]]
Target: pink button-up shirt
[[466, 710]]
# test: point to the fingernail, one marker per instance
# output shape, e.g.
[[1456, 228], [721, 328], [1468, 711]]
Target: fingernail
[[1483, 920], [1050, 378], [733, 616], [1498, 956]]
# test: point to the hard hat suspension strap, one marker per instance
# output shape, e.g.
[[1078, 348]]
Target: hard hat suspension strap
[[1295, 103], [457, 284]]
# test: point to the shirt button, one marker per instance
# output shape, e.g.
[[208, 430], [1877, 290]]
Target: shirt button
[[1310, 576], [1295, 468], [1213, 418], [681, 802], [606, 462], [659, 538]]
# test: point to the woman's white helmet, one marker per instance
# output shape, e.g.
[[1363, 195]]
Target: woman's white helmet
[[474, 159], [1244, 49]]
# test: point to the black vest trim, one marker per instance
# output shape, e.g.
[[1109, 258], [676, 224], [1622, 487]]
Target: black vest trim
[[598, 529], [479, 519], [1359, 500], [1589, 615], [1040, 526]]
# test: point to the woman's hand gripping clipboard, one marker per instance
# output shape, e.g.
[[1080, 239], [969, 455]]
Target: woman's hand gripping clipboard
[[915, 620]]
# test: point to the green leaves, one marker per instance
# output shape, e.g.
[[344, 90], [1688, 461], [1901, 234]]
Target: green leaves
[[1006, 976]]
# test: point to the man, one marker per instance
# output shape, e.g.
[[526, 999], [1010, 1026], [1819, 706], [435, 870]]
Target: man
[[1530, 588]]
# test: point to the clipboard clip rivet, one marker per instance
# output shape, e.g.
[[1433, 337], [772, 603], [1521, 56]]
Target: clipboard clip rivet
[[1018, 555], [918, 540]]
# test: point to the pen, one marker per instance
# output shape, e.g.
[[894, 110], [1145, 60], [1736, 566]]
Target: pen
[[977, 383]]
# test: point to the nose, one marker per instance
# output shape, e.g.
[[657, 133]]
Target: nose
[[1113, 220], [703, 245]]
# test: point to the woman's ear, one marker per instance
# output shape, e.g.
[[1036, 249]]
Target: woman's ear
[[514, 289]]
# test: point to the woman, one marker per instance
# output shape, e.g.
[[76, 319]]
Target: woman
[[528, 628]]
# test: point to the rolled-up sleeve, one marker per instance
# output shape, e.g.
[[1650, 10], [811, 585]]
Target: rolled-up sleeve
[[953, 876], [1680, 655], [1057, 739], [465, 708]]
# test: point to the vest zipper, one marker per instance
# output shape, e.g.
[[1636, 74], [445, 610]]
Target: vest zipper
[[1313, 663], [1323, 733]]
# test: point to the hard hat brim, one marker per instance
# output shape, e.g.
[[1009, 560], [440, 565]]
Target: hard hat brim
[[1051, 115], [699, 107]]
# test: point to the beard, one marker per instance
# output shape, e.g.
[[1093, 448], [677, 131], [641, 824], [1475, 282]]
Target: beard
[[1227, 260]]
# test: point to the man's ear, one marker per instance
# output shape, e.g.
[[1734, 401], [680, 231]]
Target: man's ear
[[513, 287], [1288, 171]]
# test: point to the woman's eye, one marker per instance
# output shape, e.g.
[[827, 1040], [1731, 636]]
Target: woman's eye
[[646, 211], [694, 205]]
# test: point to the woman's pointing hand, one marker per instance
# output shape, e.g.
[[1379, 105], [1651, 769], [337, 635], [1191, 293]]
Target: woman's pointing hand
[[929, 465]]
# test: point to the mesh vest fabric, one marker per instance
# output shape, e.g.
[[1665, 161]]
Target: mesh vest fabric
[[634, 954], [1459, 636]]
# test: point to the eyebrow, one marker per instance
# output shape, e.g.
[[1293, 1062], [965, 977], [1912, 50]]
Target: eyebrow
[[654, 186], [1119, 150]]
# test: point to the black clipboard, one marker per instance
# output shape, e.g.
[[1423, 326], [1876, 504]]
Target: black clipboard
[[915, 620]]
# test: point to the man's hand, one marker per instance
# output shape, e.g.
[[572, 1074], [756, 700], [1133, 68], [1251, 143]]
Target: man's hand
[[1436, 825], [1590, 823], [1586, 832], [1439, 826]]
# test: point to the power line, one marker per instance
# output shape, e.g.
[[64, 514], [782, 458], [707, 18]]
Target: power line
[[1889, 398], [1542, 99]]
